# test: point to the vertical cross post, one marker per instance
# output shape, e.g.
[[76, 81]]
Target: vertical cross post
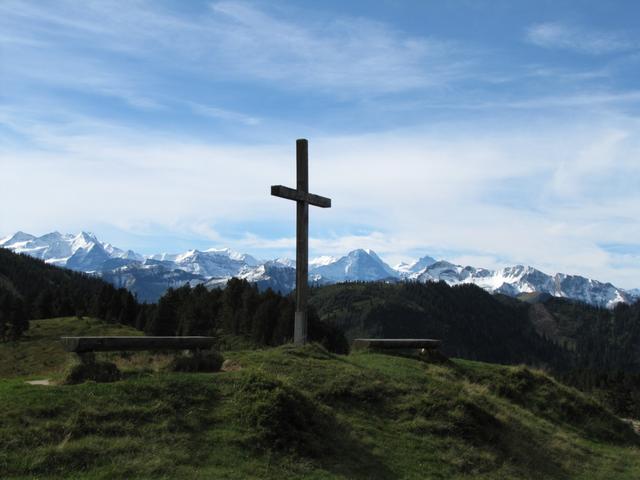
[[303, 199], [302, 243]]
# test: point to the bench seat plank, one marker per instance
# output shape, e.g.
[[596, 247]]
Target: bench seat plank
[[110, 344]]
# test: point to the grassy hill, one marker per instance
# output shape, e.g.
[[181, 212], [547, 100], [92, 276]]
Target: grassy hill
[[39, 352], [290, 413]]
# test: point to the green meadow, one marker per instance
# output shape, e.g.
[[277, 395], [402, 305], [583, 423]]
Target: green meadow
[[291, 413]]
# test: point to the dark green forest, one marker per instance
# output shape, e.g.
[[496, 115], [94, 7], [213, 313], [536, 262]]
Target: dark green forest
[[239, 311], [594, 349], [31, 289], [472, 323]]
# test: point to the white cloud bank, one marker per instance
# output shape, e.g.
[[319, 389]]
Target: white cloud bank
[[569, 188], [545, 189]]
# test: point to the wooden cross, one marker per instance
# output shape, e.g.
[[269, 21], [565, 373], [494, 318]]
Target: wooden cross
[[303, 199]]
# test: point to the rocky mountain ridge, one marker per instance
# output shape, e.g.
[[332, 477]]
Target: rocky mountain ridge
[[150, 276]]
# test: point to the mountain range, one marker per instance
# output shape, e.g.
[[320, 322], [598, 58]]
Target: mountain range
[[150, 276]]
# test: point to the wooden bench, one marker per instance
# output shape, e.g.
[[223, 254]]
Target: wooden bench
[[422, 345], [84, 347]]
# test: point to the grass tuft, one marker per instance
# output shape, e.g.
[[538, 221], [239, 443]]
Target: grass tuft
[[279, 416]]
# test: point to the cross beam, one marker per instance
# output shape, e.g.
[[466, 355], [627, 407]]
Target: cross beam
[[303, 199], [298, 196]]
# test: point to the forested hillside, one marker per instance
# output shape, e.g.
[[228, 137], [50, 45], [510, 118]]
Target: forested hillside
[[31, 289], [472, 323], [593, 348], [604, 346], [238, 314]]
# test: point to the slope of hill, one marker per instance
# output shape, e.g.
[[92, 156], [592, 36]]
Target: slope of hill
[[39, 351], [291, 413]]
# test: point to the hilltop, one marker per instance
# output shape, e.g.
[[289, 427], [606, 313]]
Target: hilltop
[[290, 413]]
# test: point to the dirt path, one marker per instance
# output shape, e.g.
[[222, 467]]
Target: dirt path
[[46, 382], [634, 423]]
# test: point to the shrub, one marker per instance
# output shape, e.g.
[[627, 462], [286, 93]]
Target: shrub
[[95, 371], [209, 361], [516, 384]]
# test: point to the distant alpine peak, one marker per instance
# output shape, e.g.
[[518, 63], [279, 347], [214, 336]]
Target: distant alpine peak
[[84, 240], [223, 251], [16, 237], [215, 266], [415, 266], [357, 265], [87, 236], [361, 251], [288, 262]]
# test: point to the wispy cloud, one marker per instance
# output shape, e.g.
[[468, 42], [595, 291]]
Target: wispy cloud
[[224, 114], [577, 39], [344, 53], [229, 40]]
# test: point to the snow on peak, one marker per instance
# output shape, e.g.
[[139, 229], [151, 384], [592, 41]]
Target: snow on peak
[[17, 238], [356, 265], [212, 266], [186, 255], [415, 266], [233, 255], [83, 240], [319, 261], [287, 262]]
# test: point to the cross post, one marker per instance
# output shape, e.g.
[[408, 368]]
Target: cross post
[[303, 199]]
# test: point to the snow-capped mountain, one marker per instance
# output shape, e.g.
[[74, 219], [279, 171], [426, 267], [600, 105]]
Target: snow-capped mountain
[[149, 279], [362, 265], [150, 276], [406, 269], [211, 263], [634, 292], [521, 279], [275, 275], [79, 252]]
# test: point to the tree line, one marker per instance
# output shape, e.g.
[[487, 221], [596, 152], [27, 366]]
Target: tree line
[[239, 310], [471, 323], [594, 349], [32, 289]]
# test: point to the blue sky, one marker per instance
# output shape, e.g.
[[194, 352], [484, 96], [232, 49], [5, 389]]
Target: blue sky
[[488, 133]]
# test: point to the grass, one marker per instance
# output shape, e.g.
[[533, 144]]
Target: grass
[[292, 413], [40, 353]]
